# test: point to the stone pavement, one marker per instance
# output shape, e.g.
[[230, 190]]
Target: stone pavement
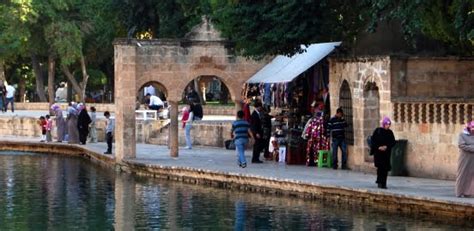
[[221, 160]]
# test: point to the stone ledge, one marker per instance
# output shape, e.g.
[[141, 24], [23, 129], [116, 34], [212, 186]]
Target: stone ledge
[[387, 201]]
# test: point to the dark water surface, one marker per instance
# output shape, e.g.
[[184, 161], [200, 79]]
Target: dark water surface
[[48, 192]]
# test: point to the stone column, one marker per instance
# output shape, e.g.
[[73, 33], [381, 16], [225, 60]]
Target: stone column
[[125, 83], [238, 106], [124, 202], [173, 136]]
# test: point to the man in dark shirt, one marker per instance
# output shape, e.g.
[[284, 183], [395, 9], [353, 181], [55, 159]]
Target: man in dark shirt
[[336, 128], [257, 130]]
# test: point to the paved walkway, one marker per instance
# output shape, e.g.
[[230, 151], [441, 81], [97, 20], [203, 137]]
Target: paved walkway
[[217, 159]]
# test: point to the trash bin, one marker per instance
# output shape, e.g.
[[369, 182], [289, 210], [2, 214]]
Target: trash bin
[[397, 159]]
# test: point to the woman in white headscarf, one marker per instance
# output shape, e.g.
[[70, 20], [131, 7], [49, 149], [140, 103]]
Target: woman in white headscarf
[[73, 132], [60, 123], [465, 173]]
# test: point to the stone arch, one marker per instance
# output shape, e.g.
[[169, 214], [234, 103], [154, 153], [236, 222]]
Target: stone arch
[[371, 118], [161, 90], [223, 76], [224, 90], [345, 102]]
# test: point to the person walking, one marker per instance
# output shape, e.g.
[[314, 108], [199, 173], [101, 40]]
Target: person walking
[[188, 125], [83, 121], [71, 119], [10, 97], [3, 92], [383, 141], [465, 172], [92, 126], [240, 133], [60, 123], [109, 131], [337, 128], [257, 130]]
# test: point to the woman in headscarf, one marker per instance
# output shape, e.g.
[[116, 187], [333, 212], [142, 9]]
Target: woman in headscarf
[[60, 123], [382, 142], [73, 132], [465, 173], [83, 122]]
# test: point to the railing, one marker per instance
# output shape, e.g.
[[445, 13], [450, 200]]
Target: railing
[[441, 113]]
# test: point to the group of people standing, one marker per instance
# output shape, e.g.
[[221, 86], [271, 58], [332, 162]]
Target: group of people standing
[[79, 125], [75, 128]]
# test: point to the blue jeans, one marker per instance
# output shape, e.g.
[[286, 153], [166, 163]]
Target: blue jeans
[[339, 142], [240, 150], [10, 100], [187, 133]]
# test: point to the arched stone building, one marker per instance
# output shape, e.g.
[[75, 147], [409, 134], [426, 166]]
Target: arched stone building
[[172, 64], [429, 100]]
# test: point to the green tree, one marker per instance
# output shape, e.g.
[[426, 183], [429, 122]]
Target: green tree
[[449, 22], [160, 19], [273, 27]]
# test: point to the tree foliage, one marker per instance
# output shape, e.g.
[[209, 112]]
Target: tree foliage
[[279, 27], [272, 27], [450, 22]]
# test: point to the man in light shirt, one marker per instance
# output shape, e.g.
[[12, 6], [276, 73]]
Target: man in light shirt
[[154, 102], [10, 97]]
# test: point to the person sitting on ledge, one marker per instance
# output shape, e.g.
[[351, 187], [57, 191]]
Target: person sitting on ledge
[[154, 102]]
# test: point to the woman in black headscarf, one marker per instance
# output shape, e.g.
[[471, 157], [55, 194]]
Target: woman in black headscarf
[[83, 121], [383, 141]]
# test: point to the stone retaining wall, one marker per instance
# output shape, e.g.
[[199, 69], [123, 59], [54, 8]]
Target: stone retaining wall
[[207, 109], [151, 131], [411, 205]]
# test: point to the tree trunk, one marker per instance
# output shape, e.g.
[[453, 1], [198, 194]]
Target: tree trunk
[[198, 90], [75, 86], [39, 78], [51, 75], [85, 78], [2, 71]]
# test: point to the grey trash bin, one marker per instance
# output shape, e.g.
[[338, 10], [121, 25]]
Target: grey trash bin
[[397, 159]]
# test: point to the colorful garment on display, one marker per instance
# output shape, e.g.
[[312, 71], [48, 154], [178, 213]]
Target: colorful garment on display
[[315, 132]]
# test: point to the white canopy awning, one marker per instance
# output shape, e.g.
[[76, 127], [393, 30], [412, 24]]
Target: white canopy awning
[[285, 69]]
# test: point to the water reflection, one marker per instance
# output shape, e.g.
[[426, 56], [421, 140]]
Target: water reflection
[[45, 192]]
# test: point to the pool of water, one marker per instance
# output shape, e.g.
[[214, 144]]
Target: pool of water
[[49, 192]]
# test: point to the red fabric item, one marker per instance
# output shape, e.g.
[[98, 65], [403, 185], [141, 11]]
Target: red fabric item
[[246, 110], [43, 124], [185, 117]]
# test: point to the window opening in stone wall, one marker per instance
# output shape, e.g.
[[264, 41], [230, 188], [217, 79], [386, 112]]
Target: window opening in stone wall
[[345, 102], [469, 113], [431, 113], [446, 113], [371, 118], [462, 112], [207, 89], [438, 113]]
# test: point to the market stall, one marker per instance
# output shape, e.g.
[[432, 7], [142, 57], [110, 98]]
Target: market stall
[[293, 91]]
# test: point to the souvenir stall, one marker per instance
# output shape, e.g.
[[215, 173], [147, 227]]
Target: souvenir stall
[[294, 93]]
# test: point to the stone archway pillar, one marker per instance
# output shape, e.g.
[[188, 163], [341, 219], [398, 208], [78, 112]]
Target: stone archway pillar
[[173, 136], [238, 106], [125, 81]]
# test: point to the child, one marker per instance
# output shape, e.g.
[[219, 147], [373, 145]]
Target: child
[[93, 129], [49, 127], [109, 131], [42, 123]]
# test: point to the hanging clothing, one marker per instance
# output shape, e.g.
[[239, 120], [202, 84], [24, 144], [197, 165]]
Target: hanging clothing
[[315, 132]]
